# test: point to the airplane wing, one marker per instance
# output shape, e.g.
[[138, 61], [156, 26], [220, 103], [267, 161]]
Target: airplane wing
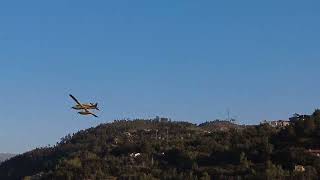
[[76, 100], [94, 115], [86, 110]]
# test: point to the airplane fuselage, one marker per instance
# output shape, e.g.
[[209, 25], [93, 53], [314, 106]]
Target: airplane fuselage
[[84, 106]]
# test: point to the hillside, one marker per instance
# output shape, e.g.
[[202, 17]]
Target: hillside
[[154, 149], [5, 156]]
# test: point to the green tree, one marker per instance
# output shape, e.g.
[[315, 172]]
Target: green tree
[[275, 171], [205, 176], [244, 161], [310, 126]]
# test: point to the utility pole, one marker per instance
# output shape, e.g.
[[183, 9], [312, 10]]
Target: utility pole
[[228, 112], [229, 118]]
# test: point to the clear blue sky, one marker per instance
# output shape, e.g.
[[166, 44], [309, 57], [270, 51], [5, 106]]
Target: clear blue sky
[[188, 60]]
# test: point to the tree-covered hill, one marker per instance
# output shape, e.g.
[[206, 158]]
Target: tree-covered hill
[[162, 149], [5, 156], [219, 125]]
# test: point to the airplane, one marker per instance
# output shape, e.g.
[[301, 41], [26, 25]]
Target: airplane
[[80, 106], [84, 107]]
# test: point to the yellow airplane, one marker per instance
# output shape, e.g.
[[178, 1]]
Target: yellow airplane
[[84, 107]]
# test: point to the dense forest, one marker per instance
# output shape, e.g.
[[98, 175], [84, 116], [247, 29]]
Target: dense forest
[[163, 149]]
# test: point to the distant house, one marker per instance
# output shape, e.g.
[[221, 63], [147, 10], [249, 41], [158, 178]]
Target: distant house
[[278, 123], [135, 155], [299, 168], [162, 119], [298, 117], [207, 132]]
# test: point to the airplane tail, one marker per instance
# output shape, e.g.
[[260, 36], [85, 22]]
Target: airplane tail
[[96, 106]]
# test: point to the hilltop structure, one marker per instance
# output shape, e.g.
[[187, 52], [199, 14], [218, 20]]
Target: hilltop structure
[[277, 123]]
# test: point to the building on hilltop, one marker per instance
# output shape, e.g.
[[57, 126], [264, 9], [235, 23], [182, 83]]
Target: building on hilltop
[[277, 124], [299, 117], [162, 119]]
